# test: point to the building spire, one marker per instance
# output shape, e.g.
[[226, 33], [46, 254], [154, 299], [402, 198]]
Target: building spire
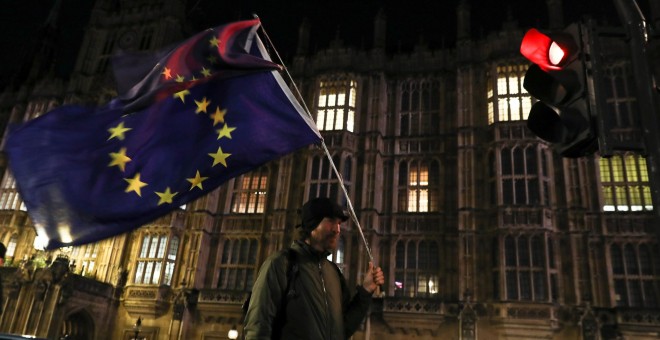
[[40, 56], [555, 14], [463, 20], [303, 38], [380, 28]]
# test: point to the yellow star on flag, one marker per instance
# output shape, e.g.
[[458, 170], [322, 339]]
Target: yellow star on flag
[[118, 131], [180, 78], [218, 116], [201, 105], [166, 197], [212, 59], [134, 184], [219, 157], [196, 181], [206, 72], [167, 73], [214, 41], [181, 95], [225, 131], [119, 159]]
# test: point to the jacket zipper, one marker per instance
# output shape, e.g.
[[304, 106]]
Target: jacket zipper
[[325, 298]]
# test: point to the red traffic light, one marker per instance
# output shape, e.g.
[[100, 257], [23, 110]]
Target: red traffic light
[[549, 52]]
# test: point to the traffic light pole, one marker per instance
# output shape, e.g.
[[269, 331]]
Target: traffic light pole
[[634, 21]]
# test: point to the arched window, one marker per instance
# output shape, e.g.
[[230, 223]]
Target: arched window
[[417, 268], [156, 259], [635, 284], [521, 180], [239, 264], [323, 181], [525, 267], [419, 108], [419, 186], [249, 194], [337, 256], [11, 246], [508, 98], [625, 183], [336, 104]]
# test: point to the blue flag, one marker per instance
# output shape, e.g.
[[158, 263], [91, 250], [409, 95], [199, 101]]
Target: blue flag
[[88, 173]]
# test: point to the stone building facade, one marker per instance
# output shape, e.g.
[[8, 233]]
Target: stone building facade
[[483, 231]]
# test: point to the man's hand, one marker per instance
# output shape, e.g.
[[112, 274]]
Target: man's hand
[[373, 278]]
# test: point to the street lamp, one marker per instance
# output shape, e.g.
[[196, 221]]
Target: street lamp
[[233, 333], [137, 328]]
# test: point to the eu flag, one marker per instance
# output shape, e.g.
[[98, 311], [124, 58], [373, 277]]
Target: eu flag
[[88, 173]]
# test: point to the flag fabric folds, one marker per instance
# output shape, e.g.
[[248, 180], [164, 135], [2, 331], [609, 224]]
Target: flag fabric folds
[[213, 53], [88, 173]]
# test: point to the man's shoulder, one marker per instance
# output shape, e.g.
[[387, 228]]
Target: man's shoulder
[[280, 257]]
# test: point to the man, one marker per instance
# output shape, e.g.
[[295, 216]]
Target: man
[[318, 304]]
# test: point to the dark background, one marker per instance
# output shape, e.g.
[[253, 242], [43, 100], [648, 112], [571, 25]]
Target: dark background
[[352, 21]]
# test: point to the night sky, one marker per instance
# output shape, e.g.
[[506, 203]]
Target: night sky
[[435, 20]]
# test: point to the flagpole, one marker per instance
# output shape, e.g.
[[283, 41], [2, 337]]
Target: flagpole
[[325, 148]]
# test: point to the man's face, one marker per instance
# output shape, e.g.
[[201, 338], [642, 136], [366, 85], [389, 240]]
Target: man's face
[[326, 235]]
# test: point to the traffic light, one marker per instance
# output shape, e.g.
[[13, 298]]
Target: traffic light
[[559, 78]]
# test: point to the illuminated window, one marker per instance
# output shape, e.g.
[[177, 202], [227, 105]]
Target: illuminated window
[[86, 256], [507, 99], [238, 265], [419, 108], [324, 183], [336, 105], [249, 195], [156, 260], [526, 271], [633, 268], [11, 246], [625, 183], [419, 183], [524, 180], [9, 198], [417, 269], [338, 255]]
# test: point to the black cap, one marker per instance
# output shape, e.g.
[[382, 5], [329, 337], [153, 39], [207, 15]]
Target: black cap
[[316, 209]]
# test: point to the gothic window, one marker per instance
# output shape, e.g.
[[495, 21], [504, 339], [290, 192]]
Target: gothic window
[[625, 183], [633, 272], [416, 268], [338, 255], [419, 108], [249, 193], [336, 104], [323, 180], [87, 257], [147, 36], [9, 199], [106, 53], [522, 180], [238, 264], [507, 99], [525, 268], [11, 246], [156, 260], [419, 186], [617, 86]]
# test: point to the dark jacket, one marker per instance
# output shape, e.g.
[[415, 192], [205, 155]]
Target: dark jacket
[[321, 308]]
